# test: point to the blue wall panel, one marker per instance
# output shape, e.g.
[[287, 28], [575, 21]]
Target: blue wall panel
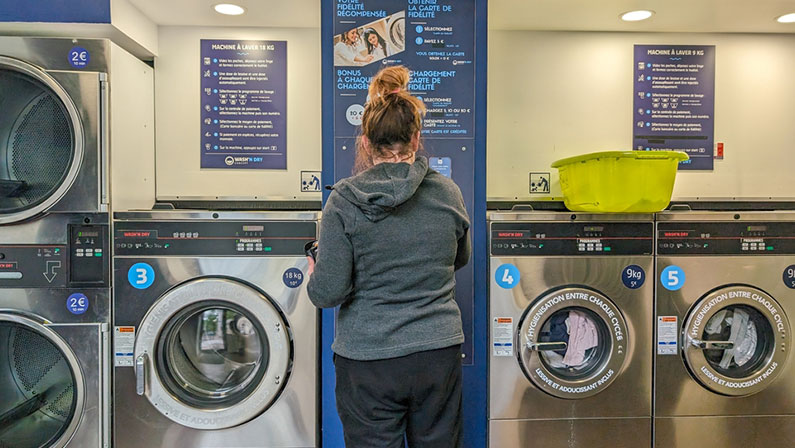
[[58, 11]]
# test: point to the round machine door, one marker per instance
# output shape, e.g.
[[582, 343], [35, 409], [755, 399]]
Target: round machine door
[[41, 141], [736, 340], [572, 342], [212, 353], [41, 385]]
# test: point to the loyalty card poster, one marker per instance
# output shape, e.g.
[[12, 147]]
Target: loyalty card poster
[[243, 104], [674, 101], [435, 39]]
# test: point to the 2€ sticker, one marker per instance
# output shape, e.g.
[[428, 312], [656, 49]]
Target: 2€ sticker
[[141, 275], [507, 276], [77, 303]]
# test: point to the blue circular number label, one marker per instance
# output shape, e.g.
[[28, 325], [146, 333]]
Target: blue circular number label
[[789, 276], [507, 276], [77, 303], [141, 275], [79, 57], [633, 276], [293, 277], [672, 278]]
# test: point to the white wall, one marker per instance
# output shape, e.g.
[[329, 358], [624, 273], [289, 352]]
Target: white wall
[[132, 131], [557, 94], [177, 101]]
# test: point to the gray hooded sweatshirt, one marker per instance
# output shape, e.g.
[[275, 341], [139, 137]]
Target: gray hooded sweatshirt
[[391, 239]]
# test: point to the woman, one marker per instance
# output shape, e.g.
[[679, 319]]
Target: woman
[[376, 46], [391, 239], [348, 50]]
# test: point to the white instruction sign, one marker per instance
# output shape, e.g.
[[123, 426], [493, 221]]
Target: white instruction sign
[[123, 346], [502, 336], [667, 335]]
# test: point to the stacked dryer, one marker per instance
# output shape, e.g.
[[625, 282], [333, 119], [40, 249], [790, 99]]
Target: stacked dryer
[[54, 260], [724, 372]]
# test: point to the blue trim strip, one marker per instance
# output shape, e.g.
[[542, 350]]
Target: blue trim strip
[[476, 375], [331, 426], [55, 11]]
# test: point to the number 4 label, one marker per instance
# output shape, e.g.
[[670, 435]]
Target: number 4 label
[[507, 276]]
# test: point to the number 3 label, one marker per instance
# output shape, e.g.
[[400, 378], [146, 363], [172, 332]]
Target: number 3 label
[[507, 276], [141, 275], [672, 278]]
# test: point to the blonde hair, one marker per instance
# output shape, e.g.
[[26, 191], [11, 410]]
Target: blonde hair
[[391, 119]]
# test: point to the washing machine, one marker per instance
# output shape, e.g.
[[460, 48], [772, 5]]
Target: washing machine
[[53, 129], [215, 339], [570, 310], [54, 332], [724, 374]]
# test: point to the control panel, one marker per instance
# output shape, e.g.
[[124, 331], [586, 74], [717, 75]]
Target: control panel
[[213, 238], [572, 238], [88, 257], [725, 238], [84, 261]]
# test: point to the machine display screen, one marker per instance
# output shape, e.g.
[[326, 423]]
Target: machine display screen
[[725, 238], [569, 238]]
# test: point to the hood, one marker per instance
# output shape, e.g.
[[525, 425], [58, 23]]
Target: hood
[[382, 188]]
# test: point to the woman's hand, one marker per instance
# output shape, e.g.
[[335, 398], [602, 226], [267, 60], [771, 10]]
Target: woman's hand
[[311, 267]]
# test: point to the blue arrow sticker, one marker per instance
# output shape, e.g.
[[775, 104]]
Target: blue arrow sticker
[[79, 57], [507, 276], [633, 276], [77, 303], [141, 275], [672, 278], [293, 278]]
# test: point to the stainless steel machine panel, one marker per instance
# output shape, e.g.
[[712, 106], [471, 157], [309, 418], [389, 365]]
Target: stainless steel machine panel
[[225, 340], [52, 141], [591, 433], [52, 382], [724, 370], [592, 267]]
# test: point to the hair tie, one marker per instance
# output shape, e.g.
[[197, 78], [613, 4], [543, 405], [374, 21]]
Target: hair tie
[[395, 91]]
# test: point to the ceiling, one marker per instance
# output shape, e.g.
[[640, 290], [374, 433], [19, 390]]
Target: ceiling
[[708, 16], [259, 13], [712, 16]]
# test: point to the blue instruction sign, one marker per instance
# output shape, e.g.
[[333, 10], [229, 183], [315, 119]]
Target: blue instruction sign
[[507, 276], [293, 278], [79, 57], [243, 104], [672, 278], [442, 165], [633, 276], [674, 101], [789, 276], [77, 303], [141, 275]]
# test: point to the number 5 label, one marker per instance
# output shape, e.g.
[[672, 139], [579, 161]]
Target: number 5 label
[[507, 276], [141, 275], [672, 278]]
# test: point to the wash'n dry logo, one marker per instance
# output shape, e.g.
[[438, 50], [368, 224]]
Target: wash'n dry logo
[[229, 160]]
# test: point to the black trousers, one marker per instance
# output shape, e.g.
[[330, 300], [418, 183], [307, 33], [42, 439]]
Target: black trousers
[[417, 396]]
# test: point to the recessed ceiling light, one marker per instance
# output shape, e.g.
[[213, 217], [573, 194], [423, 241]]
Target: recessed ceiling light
[[634, 16], [229, 9], [787, 18]]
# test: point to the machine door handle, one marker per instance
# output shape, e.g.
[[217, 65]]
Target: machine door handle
[[712, 345], [547, 346], [140, 373]]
